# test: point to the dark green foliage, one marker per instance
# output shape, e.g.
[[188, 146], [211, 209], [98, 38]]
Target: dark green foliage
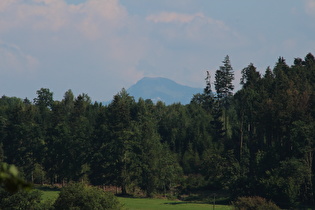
[[254, 203], [223, 79], [258, 141], [250, 76], [79, 196], [283, 184], [122, 140], [194, 182], [276, 128], [223, 83], [44, 98], [26, 200], [221, 171], [10, 179]]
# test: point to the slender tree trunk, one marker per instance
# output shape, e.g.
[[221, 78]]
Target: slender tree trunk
[[123, 190], [164, 190], [32, 176], [124, 175], [310, 195], [226, 122], [241, 135]]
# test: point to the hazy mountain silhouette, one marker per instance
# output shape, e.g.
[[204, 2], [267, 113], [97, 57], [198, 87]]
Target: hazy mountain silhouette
[[162, 89]]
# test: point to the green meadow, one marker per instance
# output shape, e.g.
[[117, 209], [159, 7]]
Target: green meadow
[[48, 193], [142, 203], [152, 203]]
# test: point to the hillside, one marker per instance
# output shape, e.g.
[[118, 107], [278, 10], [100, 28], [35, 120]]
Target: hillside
[[162, 89]]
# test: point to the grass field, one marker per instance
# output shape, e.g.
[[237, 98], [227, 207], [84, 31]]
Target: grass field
[[148, 203], [48, 193], [51, 194]]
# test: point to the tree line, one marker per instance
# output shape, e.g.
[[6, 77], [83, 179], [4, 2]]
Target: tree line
[[258, 141]]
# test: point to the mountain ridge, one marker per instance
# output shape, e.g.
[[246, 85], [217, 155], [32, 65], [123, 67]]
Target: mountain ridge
[[162, 89]]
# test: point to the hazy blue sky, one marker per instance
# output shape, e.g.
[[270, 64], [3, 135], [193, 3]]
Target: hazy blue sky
[[100, 46]]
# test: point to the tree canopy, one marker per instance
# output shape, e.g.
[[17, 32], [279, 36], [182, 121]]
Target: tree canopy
[[256, 141]]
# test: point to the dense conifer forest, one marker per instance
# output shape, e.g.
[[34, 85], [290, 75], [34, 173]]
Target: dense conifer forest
[[258, 141]]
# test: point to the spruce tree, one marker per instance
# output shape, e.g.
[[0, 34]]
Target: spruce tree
[[223, 79], [224, 87]]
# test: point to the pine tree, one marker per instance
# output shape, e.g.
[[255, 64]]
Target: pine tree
[[223, 79], [224, 87]]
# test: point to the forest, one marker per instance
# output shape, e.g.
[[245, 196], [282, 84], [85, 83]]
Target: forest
[[256, 141]]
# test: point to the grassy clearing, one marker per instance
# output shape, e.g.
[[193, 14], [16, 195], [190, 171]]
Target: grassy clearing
[[148, 203], [51, 194], [48, 193]]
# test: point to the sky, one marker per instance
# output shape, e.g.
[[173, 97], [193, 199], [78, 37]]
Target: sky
[[98, 47]]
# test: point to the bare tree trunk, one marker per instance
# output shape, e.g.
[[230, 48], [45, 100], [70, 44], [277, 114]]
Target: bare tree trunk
[[242, 135], [310, 195], [123, 190]]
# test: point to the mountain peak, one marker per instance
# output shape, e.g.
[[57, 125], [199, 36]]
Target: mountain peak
[[162, 89]]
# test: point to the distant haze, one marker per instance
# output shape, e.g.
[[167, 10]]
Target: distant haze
[[162, 89], [98, 47]]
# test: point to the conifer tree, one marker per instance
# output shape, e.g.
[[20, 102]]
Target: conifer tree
[[223, 79], [224, 87]]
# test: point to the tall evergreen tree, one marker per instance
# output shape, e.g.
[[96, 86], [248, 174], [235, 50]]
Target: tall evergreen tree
[[121, 127], [223, 79], [224, 87]]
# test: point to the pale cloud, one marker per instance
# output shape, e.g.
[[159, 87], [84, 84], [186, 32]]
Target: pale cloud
[[173, 17], [98, 40], [53, 31], [14, 61], [98, 47], [35, 14], [56, 15], [310, 7], [100, 17], [5, 4], [109, 9], [168, 17], [196, 26], [196, 29]]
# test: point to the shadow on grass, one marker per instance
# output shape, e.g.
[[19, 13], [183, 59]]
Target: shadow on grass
[[208, 197], [47, 188], [127, 196], [176, 203]]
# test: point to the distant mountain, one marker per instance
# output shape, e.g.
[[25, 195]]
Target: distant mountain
[[162, 89]]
